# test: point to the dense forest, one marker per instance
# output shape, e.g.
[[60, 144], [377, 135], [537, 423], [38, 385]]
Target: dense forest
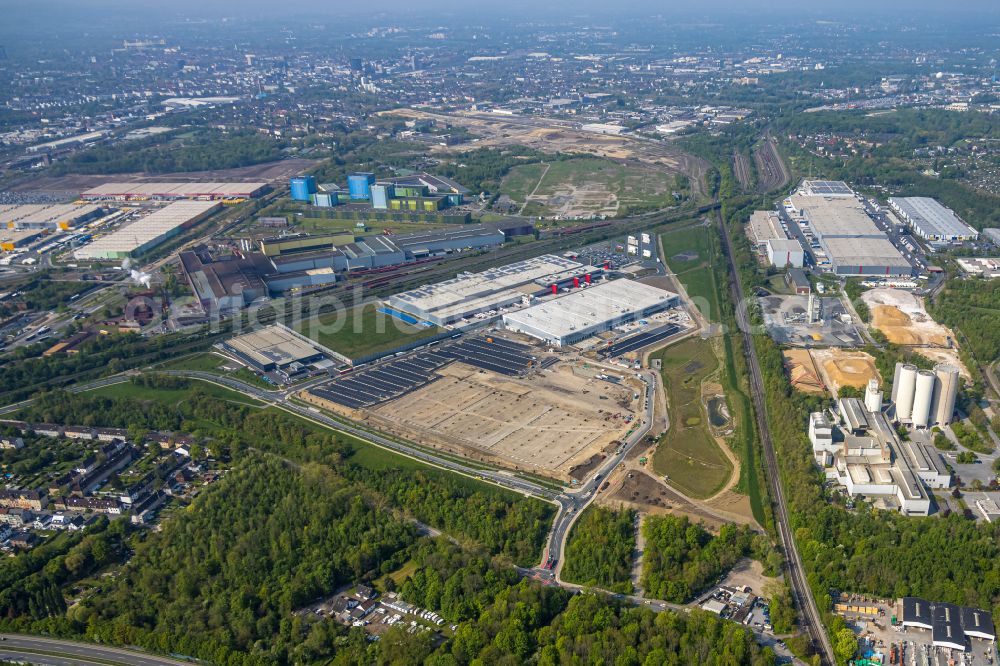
[[682, 558], [201, 150], [500, 520], [305, 511], [230, 571], [601, 548], [972, 307]]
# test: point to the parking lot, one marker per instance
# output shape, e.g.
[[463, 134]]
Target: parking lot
[[645, 339], [371, 386]]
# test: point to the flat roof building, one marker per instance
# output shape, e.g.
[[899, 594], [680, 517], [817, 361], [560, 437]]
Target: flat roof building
[[866, 256], [589, 311], [173, 191], [470, 294], [275, 347], [851, 240], [144, 234], [932, 221], [52, 217], [765, 225], [783, 252]]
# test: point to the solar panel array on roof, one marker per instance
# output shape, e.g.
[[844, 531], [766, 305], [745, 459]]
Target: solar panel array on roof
[[390, 380], [836, 188], [644, 339]]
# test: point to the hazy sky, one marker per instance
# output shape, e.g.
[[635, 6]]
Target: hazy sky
[[528, 8]]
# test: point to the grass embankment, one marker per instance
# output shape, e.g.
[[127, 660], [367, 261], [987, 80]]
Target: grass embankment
[[689, 455]]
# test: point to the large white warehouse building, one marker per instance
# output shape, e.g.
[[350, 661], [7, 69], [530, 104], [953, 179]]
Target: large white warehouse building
[[932, 221], [143, 235], [589, 311], [850, 238]]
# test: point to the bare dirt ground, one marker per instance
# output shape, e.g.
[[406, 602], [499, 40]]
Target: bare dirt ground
[[751, 574], [267, 172], [648, 495], [802, 371], [903, 319], [560, 136], [552, 422], [838, 367]]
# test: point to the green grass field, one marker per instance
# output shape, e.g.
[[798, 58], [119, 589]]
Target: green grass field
[[688, 454], [361, 331], [689, 254], [172, 396], [605, 182]]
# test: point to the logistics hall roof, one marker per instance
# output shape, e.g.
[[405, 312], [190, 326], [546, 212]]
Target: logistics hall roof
[[148, 229], [589, 307], [831, 217], [174, 190], [864, 252], [931, 217]]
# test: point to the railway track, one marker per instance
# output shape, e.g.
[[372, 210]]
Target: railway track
[[801, 592], [770, 167]]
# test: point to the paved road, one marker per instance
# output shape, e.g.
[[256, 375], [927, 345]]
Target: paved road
[[71, 652], [572, 503], [801, 592]]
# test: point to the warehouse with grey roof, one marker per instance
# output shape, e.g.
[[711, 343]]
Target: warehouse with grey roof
[[932, 221]]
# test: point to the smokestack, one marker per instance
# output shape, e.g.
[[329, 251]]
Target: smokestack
[[576, 283], [586, 278], [555, 288]]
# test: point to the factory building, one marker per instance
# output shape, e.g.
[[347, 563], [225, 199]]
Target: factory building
[[224, 284], [433, 243], [951, 626], [292, 243], [857, 447], [372, 252], [359, 186], [588, 311], [172, 191], [840, 226], [302, 188], [783, 253], [381, 194], [143, 235], [932, 221], [485, 294], [279, 350], [765, 225], [925, 398], [47, 217]]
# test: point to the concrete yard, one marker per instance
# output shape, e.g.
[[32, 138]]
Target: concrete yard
[[786, 320], [547, 422]]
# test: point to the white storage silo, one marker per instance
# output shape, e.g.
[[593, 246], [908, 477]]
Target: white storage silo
[[903, 389], [945, 393], [873, 397], [922, 398]]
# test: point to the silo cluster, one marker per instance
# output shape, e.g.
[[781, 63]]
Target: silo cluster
[[925, 397]]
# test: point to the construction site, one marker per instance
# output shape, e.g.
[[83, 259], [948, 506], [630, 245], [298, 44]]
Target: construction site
[[488, 399], [903, 319], [808, 321]]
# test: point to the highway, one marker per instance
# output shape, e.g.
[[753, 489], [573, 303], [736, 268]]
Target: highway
[[57, 652], [801, 592]]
